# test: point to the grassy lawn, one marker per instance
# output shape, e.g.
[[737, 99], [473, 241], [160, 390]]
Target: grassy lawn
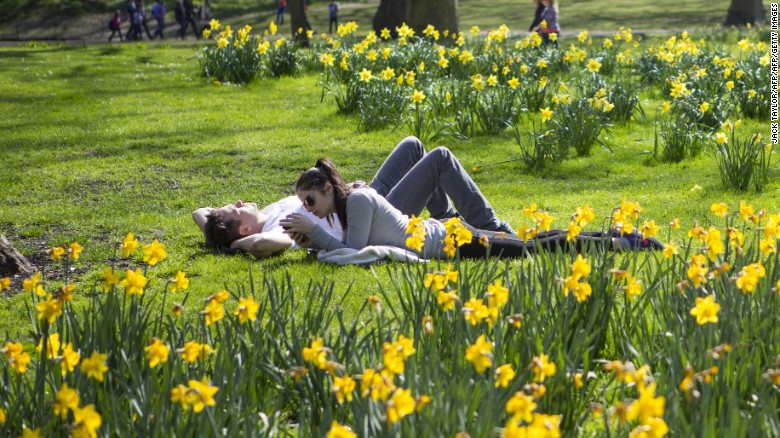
[[105, 140]]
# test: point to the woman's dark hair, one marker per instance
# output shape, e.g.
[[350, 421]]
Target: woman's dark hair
[[325, 172]]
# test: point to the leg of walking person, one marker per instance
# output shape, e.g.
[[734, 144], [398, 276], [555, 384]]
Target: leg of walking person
[[440, 168], [405, 155]]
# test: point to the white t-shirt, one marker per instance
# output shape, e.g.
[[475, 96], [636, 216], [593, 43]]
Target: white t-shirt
[[291, 204]]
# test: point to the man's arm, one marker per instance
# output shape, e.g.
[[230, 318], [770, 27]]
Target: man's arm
[[263, 244], [200, 218]]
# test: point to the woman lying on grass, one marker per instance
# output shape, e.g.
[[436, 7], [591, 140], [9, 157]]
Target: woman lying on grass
[[371, 219], [243, 227]]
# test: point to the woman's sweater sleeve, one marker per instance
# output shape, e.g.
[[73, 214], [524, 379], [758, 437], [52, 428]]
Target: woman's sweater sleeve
[[360, 213]]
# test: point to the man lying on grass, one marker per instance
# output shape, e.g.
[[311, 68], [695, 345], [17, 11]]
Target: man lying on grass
[[242, 226]]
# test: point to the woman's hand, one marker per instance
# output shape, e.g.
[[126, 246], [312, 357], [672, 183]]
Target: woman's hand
[[301, 240], [296, 223]]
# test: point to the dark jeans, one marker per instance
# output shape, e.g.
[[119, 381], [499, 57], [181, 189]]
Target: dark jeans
[[334, 22], [114, 32], [508, 246], [183, 28], [159, 30], [280, 15]]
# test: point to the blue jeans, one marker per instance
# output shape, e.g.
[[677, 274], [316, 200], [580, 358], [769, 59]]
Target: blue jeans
[[411, 180]]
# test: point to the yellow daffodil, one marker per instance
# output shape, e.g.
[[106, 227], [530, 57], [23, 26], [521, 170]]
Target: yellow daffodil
[[418, 97], [74, 250], [546, 114], [336, 429], [154, 252], [706, 310], [365, 75], [129, 244], [87, 421], [52, 345], [749, 276], [49, 309], [401, 404], [57, 252], [648, 405], [17, 357], [214, 312], [504, 375], [475, 311], [134, 282], [327, 59], [521, 406], [95, 366], [447, 300], [65, 401], [594, 65], [34, 284], [180, 282], [671, 250], [543, 367], [156, 352], [480, 354], [633, 288], [109, 279], [201, 394], [247, 310], [70, 358]]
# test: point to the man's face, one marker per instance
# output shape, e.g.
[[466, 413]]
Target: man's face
[[245, 213]]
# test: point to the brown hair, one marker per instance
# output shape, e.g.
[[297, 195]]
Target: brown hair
[[218, 231], [325, 172]]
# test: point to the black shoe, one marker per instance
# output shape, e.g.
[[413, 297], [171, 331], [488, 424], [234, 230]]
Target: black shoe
[[506, 228], [638, 242]]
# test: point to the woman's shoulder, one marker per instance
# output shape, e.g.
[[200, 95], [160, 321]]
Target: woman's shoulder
[[363, 193]]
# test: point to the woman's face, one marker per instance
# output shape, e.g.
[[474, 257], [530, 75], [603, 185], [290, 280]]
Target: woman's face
[[318, 202]]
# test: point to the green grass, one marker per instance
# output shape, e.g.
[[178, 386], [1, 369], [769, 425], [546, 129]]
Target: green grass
[[104, 140]]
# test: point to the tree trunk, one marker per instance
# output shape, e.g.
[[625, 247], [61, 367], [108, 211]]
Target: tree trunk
[[442, 14], [11, 262], [299, 20], [389, 15], [418, 14], [742, 12]]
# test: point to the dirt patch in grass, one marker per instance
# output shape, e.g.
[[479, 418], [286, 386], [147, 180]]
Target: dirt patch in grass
[[35, 244]]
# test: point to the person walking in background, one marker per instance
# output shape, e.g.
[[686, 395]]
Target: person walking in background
[[140, 11], [189, 18], [333, 15], [114, 26], [178, 15], [537, 15], [131, 34], [158, 11], [550, 21], [281, 6]]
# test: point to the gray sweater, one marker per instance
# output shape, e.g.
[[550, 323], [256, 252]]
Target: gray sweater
[[372, 220]]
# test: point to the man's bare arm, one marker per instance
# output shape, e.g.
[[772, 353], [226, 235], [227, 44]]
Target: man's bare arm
[[263, 244]]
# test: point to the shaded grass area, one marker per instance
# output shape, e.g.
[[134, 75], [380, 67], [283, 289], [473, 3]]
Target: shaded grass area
[[100, 141]]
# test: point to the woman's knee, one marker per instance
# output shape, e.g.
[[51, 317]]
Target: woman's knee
[[441, 153], [412, 146]]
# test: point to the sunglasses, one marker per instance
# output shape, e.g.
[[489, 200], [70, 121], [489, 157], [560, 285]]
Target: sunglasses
[[308, 201]]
